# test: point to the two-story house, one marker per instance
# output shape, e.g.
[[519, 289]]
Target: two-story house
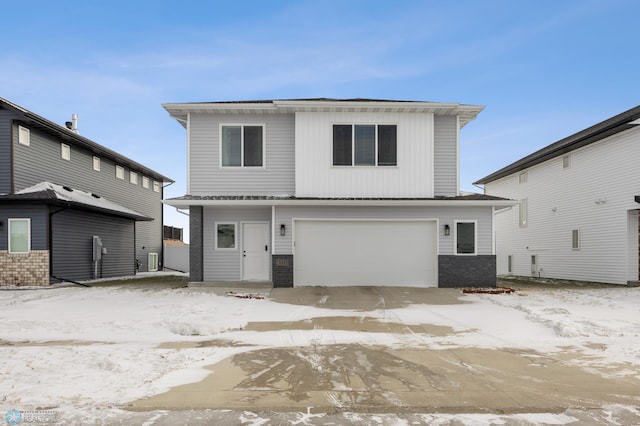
[[71, 209], [329, 192], [578, 202]]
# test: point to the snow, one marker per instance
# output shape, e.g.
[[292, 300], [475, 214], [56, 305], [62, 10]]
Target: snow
[[88, 349]]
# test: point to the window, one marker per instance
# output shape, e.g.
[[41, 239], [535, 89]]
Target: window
[[566, 162], [96, 164], [120, 172], [226, 238], [510, 264], [65, 151], [24, 136], [522, 177], [145, 182], [242, 146], [153, 262], [465, 237], [156, 186], [364, 145], [523, 212], [575, 239], [133, 178], [19, 235]]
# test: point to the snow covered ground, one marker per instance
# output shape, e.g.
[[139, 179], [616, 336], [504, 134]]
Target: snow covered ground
[[84, 352]]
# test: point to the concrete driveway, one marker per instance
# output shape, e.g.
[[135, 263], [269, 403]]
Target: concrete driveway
[[369, 378]]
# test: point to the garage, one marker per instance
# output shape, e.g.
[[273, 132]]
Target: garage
[[365, 252]]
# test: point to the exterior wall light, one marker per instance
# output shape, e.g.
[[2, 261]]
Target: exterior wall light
[[282, 230], [447, 230]]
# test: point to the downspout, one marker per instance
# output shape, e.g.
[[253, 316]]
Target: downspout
[[50, 238]]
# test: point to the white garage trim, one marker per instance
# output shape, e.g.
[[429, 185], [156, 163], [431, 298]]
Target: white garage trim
[[389, 252]]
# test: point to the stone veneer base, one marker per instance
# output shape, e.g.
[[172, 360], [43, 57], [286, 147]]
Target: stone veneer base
[[29, 269]]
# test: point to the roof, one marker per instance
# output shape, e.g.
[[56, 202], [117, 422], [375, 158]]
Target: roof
[[595, 133], [180, 111], [466, 199], [51, 193], [67, 135]]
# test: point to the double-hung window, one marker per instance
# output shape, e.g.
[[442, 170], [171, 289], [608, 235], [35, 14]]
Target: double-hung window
[[19, 235], [242, 145], [365, 145]]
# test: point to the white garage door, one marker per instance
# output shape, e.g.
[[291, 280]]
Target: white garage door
[[360, 253]]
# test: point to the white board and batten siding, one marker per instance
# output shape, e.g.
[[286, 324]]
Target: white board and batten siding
[[445, 154], [315, 175], [207, 177], [595, 195]]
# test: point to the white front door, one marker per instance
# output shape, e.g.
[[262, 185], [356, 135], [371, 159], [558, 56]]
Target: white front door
[[256, 257]]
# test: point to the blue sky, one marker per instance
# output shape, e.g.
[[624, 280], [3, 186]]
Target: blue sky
[[543, 69]]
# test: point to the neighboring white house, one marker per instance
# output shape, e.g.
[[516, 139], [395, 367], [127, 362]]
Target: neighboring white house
[[577, 216], [333, 192]]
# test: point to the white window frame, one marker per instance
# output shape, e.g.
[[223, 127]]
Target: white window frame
[[65, 152], [96, 163], [475, 237], [523, 214], [156, 186], [145, 182], [11, 221], [152, 265], [575, 239], [235, 236], [242, 126], [24, 136], [353, 145], [119, 172], [133, 177], [523, 177]]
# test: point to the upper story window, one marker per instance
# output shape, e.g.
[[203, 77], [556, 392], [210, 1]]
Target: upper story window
[[242, 145], [24, 136], [523, 215], [120, 172], [365, 145], [96, 164], [522, 177], [145, 182], [133, 178], [156, 186], [65, 151], [566, 161], [19, 235]]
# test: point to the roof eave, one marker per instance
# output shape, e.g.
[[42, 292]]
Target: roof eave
[[185, 203]]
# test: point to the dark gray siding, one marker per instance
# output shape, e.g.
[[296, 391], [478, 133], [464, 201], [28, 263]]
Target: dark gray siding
[[39, 221], [208, 178], [196, 265], [41, 161], [466, 271], [72, 242], [5, 151], [445, 151]]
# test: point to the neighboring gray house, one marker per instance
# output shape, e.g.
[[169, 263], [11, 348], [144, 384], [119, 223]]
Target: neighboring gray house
[[57, 191], [578, 203], [333, 192]]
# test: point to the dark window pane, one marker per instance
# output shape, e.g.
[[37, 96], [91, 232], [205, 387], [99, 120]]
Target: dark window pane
[[342, 145], [226, 236], [387, 145], [365, 141], [253, 146], [231, 146], [465, 238]]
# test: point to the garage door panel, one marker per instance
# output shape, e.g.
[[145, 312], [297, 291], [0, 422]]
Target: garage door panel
[[401, 253]]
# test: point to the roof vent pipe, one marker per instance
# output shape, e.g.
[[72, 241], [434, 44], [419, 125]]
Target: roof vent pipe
[[74, 123]]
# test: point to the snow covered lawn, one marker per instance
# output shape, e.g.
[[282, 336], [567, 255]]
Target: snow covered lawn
[[85, 352]]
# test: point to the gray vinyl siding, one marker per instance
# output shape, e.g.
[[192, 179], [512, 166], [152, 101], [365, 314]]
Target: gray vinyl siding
[[72, 242], [5, 151], [445, 164], [226, 265], [444, 215], [208, 178], [39, 222], [41, 161]]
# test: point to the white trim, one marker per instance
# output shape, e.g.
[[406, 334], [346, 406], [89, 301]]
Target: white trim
[[145, 182], [189, 153], [242, 126], [133, 177], [344, 202], [65, 152], [455, 237], [493, 231], [24, 136], [457, 155], [235, 236], [149, 256], [156, 186], [119, 172], [96, 163], [273, 229], [28, 235]]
